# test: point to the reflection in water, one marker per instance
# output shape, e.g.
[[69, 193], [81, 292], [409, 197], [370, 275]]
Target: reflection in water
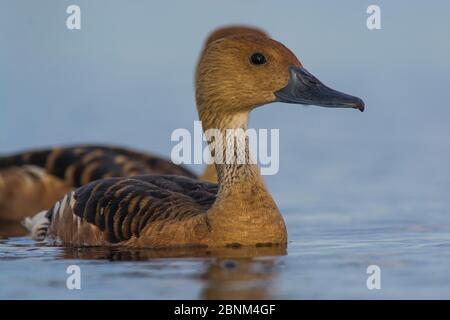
[[231, 273], [242, 278], [12, 229]]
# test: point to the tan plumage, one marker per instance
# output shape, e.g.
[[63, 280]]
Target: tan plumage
[[210, 173], [65, 168], [233, 30], [33, 181], [163, 211], [27, 182], [120, 209]]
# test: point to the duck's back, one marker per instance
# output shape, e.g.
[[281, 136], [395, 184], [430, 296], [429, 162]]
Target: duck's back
[[35, 180], [78, 165]]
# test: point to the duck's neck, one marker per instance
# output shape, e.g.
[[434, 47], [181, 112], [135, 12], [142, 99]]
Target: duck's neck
[[244, 211], [231, 154]]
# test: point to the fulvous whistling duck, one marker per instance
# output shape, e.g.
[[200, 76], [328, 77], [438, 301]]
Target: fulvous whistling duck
[[33, 181], [236, 74]]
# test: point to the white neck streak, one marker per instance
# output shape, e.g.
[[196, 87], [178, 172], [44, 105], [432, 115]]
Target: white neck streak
[[231, 149]]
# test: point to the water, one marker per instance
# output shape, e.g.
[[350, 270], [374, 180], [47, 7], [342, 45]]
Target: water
[[355, 189], [321, 262]]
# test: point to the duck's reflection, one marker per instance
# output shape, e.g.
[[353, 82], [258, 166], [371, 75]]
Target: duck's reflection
[[231, 273], [240, 278]]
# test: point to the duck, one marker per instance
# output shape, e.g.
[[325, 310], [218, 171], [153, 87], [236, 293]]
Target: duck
[[33, 180], [236, 74]]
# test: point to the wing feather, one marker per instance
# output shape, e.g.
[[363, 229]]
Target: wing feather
[[121, 208]]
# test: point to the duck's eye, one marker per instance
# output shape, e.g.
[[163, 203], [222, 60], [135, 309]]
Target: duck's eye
[[258, 58]]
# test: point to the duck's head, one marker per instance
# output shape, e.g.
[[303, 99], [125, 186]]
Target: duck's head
[[238, 73], [233, 30], [227, 31]]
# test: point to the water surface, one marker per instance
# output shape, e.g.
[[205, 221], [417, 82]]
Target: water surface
[[356, 189]]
